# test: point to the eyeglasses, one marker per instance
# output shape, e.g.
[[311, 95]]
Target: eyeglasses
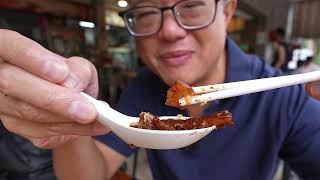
[[189, 15]]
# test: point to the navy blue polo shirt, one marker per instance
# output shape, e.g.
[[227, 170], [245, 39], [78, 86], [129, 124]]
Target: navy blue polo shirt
[[282, 123]]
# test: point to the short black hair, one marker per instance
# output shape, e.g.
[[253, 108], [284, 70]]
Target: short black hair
[[280, 31]]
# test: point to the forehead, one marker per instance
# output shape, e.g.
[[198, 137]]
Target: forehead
[[154, 2]]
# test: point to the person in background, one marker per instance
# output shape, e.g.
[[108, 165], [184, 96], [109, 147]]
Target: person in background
[[177, 40], [281, 56]]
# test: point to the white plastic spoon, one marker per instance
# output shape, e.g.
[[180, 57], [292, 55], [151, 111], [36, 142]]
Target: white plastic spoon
[[151, 139]]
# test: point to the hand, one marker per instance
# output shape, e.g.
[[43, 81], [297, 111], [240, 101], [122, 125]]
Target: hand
[[313, 89], [39, 93]]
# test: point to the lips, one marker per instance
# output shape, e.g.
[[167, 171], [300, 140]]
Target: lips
[[176, 58]]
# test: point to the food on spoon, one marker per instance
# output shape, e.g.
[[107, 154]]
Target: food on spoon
[[177, 91], [150, 121]]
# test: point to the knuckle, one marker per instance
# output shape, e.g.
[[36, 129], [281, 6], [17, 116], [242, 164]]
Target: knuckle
[[29, 112], [58, 128], [4, 82], [53, 141], [52, 99], [55, 98], [41, 143], [86, 66]]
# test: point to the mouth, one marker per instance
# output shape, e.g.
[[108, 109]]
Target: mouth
[[176, 58]]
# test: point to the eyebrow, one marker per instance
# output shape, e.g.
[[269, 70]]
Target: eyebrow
[[139, 1]]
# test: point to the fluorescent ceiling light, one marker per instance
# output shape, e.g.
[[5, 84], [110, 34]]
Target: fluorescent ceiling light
[[122, 3], [86, 24]]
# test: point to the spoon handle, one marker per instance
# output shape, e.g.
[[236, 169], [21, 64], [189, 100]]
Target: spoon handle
[[107, 115]]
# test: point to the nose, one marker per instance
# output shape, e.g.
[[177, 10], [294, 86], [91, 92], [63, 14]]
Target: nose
[[170, 30]]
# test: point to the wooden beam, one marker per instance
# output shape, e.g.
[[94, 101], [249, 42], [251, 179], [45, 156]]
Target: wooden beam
[[101, 33], [305, 21], [52, 7]]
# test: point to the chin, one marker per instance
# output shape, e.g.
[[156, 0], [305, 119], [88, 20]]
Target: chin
[[167, 81], [171, 75], [183, 78]]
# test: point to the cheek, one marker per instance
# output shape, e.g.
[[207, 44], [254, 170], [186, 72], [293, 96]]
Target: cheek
[[146, 48], [139, 46], [211, 43], [147, 51], [213, 38]]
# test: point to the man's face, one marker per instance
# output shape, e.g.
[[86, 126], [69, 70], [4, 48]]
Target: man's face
[[190, 56]]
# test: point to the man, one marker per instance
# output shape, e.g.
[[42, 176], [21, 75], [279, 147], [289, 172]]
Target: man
[[178, 40]]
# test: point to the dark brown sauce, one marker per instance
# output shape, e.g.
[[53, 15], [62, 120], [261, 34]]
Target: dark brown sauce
[[150, 121], [177, 91]]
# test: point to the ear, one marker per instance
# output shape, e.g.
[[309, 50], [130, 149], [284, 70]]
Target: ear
[[229, 8]]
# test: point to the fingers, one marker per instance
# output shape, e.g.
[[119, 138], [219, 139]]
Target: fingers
[[39, 92], [32, 57], [313, 89], [15, 108], [35, 130], [54, 141], [83, 76], [59, 100]]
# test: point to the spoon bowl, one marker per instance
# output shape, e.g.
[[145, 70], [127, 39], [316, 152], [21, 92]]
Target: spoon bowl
[[145, 138]]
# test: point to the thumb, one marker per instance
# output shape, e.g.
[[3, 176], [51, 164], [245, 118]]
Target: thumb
[[83, 76], [313, 89]]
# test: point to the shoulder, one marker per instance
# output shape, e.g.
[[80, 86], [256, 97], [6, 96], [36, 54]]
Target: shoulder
[[242, 66], [258, 68], [145, 82], [293, 99]]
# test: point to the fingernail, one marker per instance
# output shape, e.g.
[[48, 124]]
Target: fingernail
[[55, 71], [82, 112], [72, 81]]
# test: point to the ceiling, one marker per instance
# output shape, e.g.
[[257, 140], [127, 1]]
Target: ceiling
[[81, 1], [111, 3]]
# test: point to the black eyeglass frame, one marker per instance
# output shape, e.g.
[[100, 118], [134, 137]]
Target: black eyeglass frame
[[162, 10]]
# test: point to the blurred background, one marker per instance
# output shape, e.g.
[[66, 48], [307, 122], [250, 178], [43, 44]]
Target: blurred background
[[93, 29]]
